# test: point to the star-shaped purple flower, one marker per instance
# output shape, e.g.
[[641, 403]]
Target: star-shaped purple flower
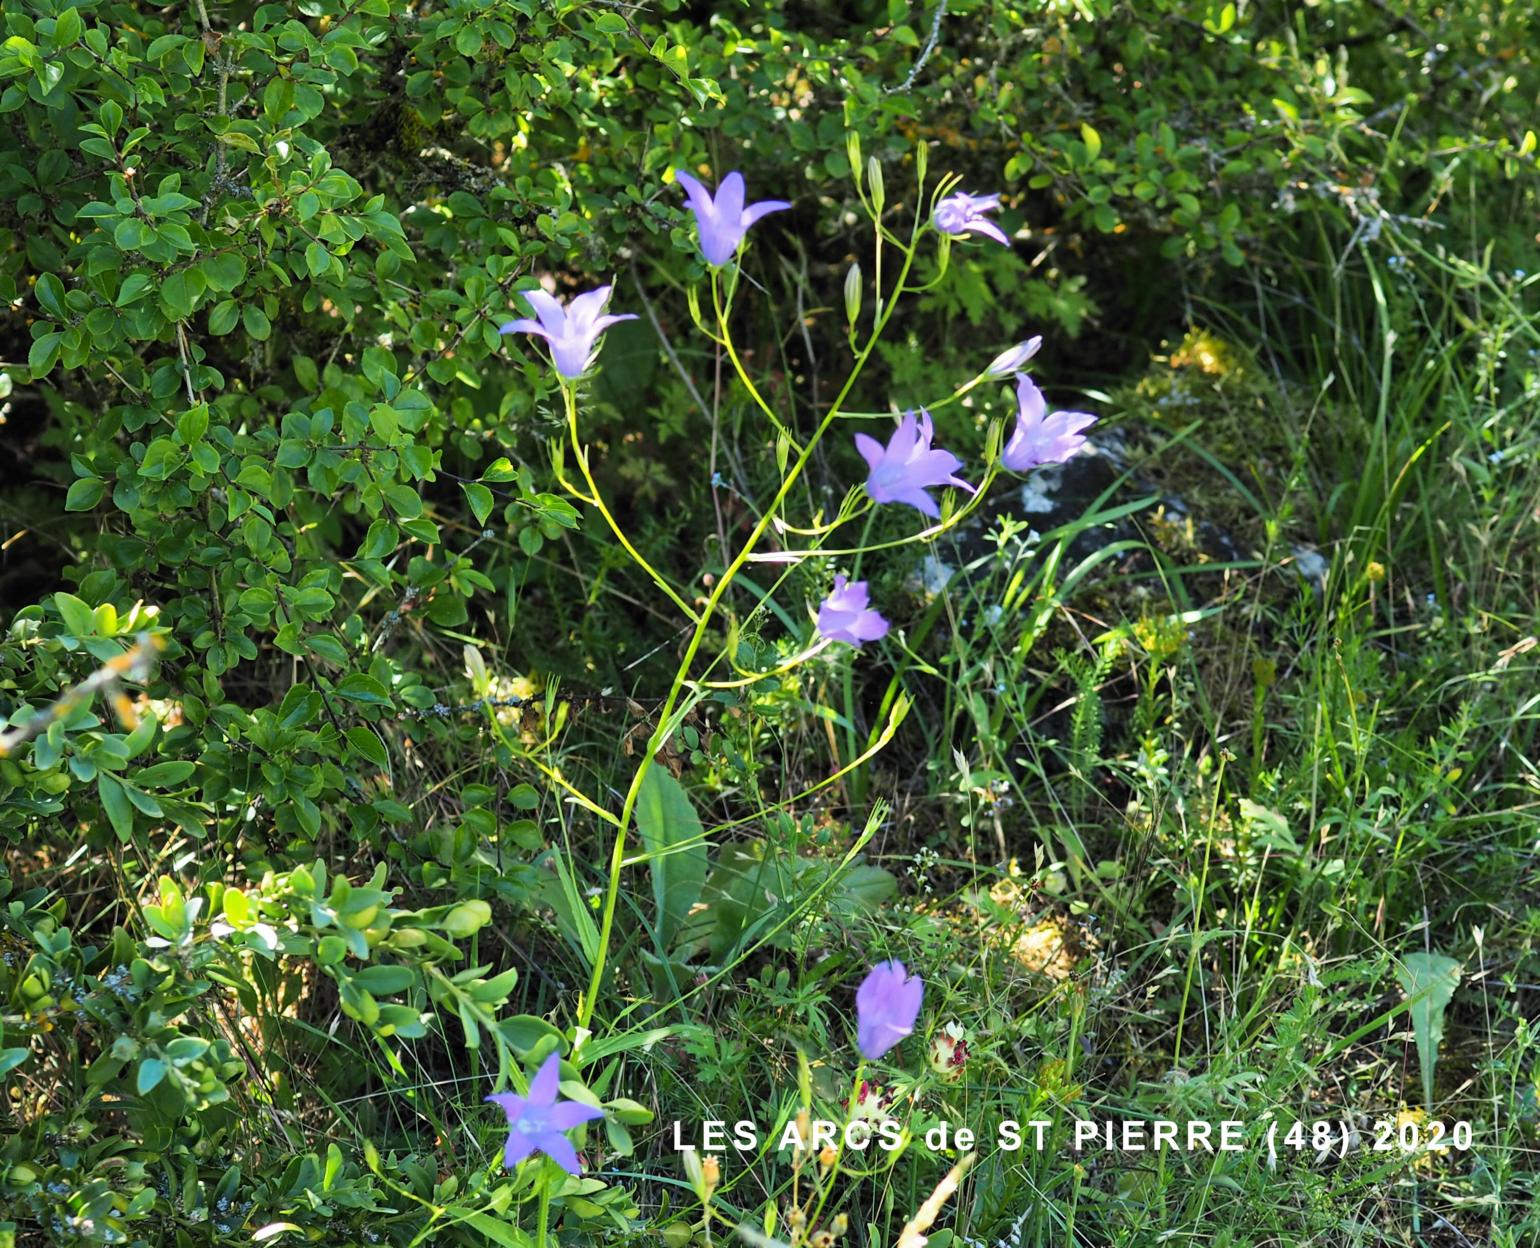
[[573, 331], [538, 1122], [1040, 438], [846, 616], [887, 1005], [964, 214], [723, 219], [903, 470]]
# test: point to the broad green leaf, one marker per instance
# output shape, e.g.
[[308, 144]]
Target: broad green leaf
[[43, 354], [480, 498], [366, 742], [193, 423], [84, 494], [1093, 140], [151, 1071], [1429, 980], [671, 834], [77, 617]]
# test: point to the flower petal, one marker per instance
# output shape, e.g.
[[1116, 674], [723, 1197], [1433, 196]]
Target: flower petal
[[1031, 406], [585, 309], [518, 1147], [511, 1102], [764, 208], [914, 497], [988, 229], [559, 1149], [604, 322], [571, 356], [699, 196], [523, 325], [730, 196], [548, 308], [571, 1114], [871, 449], [544, 1086]]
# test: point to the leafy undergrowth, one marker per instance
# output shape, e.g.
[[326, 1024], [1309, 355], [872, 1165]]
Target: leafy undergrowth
[[386, 714]]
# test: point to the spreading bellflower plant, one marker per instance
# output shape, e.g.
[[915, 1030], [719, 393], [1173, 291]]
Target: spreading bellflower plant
[[887, 1005], [1040, 438], [902, 471], [964, 214], [572, 332], [845, 615], [724, 218], [539, 1123]]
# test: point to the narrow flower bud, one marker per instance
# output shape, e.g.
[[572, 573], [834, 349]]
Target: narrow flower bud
[[1010, 361], [853, 152], [853, 294], [874, 184]]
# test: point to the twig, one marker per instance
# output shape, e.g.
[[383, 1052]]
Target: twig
[[930, 46], [135, 664]]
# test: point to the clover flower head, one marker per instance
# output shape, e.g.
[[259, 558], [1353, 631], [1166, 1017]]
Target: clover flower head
[[1040, 438], [539, 1122], [887, 1005], [572, 332], [1011, 360], [846, 616], [908, 466], [949, 1051], [723, 218], [964, 214], [870, 1103]]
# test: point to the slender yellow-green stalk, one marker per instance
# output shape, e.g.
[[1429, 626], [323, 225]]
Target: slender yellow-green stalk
[[681, 676], [569, 391]]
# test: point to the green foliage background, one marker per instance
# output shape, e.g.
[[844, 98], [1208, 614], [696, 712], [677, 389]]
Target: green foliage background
[[252, 263]]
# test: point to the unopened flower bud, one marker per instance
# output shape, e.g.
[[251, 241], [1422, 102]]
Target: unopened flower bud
[[874, 184], [853, 151], [1010, 361], [711, 1173], [853, 294]]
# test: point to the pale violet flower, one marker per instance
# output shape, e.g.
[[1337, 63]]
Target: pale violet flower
[[539, 1122], [1010, 361], [887, 1005], [964, 214], [724, 218], [902, 471], [1040, 438], [846, 616], [572, 332]]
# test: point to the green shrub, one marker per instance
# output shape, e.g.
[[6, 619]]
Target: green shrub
[[276, 452]]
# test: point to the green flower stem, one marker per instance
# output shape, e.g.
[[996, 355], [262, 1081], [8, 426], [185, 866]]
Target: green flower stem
[[545, 1207], [569, 392], [666, 715], [827, 1181], [726, 340], [858, 782]]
